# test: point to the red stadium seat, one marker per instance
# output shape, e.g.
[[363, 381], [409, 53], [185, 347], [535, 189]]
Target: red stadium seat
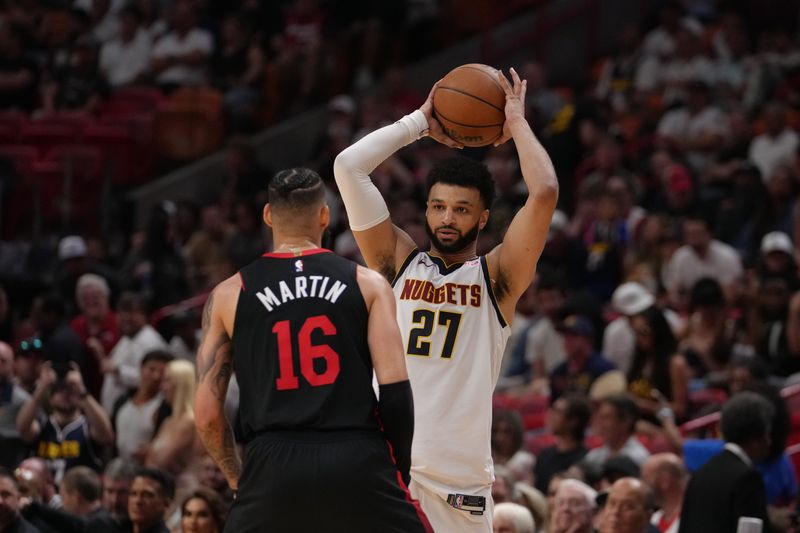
[[536, 442], [85, 162], [21, 156], [46, 136], [76, 120], [116, 144]]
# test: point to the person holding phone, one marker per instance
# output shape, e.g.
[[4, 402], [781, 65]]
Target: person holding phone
[[67, 436]]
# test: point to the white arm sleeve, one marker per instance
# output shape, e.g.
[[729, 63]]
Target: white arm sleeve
[[365, 206]]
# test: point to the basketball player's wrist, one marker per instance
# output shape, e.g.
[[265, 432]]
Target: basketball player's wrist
[[416, 124]]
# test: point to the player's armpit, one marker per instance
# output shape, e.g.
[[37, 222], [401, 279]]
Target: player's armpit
[[384, 248]]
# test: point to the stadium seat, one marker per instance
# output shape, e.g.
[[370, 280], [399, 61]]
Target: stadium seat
[[184, 134], [21, 156], [47, 136], [116, 144], [536, 442], [145, 98]]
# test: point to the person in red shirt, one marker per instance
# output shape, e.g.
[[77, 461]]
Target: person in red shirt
[[96, 325]]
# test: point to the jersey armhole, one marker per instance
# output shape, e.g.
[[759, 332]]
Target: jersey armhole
[[407, 261], [485, 268]]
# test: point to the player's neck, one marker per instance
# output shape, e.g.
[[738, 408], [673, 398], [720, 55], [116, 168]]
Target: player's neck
[[454, 258], [295, 244]]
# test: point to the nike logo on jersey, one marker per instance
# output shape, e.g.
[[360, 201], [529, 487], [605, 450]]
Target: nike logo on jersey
[[452, 293], [303, 287]]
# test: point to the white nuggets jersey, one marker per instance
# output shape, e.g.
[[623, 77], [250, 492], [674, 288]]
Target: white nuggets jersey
[[454, 337]]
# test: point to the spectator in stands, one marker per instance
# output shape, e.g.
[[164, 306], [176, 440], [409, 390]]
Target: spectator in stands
[[121, 368], [544, 349], [583, 364], [174, 447], [615, 422], [152, 23], [246, 242], [151, 494], [238, 68], [96, 325], [81, 492], [187, 335], [665, 474], [12, 398], [777, 259], [35, 482], [117, 480], [564, 253], [510, 517], [125, 60], [137, 415], [728, 487], [179, 57], [59, 342], [606, 240], [710, 334], [628, 508], [767, 315], [778, 144], [504, 488], [77, 426], [619, 339], [700, 257], [74, 262], [203, 511], [543, 102], [657, 367], [696, 129], [10, 519], [567, 421], [104, 21], [205, 251], [79, 85], [574, 508], [28, 358], [19, 73], [507, 440]]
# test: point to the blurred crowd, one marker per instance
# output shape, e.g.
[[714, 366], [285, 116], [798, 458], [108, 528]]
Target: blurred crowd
[[668, 288]]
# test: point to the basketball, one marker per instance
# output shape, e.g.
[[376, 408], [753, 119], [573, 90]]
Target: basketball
[[469, 104]]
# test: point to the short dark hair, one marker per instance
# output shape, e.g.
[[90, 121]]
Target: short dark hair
[[131, 301], [161, 356], [579, 411], [296, 188], [214, 502], [624, 406], [514, 419], [463, 172], [707, 292], [745, 417], [164, 479], [85, 481]]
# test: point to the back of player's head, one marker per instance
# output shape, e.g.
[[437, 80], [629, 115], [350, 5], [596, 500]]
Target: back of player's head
[[295, 189], [464, 172]]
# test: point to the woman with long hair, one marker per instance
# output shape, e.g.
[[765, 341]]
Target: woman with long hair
[[657, 368], [176, 434], [203, 511]]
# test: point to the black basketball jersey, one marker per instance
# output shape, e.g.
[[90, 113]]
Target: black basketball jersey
[[300, 347]]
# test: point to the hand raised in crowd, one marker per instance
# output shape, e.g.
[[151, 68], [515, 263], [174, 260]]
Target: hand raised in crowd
[[46, 379]]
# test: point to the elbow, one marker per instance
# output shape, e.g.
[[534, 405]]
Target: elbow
[[546, 192], [343, 165]]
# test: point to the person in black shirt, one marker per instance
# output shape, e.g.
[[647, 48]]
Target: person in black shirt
[[10, 519], [568, 418], [304, 329], [19, 74]]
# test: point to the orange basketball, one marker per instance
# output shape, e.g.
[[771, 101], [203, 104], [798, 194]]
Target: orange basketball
[[469, 104]]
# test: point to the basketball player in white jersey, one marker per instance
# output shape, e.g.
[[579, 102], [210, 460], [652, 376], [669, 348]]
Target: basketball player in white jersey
[[453, 306]]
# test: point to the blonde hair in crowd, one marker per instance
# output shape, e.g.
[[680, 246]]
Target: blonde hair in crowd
[[182, 374]]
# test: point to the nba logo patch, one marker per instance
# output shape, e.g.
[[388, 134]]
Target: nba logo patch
[[298, 265]]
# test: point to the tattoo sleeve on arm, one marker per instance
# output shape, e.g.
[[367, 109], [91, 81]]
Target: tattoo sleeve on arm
[[214, 370]]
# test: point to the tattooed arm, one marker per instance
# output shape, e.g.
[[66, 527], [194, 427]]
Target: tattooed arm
[[214, 370]]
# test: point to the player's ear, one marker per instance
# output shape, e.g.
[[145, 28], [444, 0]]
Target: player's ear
[[483, 219], [267, 215], [324, 216]]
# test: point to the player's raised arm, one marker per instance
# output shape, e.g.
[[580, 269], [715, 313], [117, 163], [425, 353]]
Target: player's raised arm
[[396, 403], [214, 370], [383, 245], [512, 264]]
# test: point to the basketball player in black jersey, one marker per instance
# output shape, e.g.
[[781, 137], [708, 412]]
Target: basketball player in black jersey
[[304, 329]]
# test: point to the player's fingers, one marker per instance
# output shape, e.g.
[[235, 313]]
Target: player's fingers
[[504, 83], [515, 77], [524, 90]]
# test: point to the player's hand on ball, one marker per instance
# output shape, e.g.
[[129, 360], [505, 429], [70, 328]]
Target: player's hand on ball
[[515, 102], [435, 130]]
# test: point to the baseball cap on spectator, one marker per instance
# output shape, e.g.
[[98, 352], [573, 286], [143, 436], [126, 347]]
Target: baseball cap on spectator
[[776, 241], [71, 247], [557, 223], [631, 298], [611, 383], [342, 104], [577, 325]]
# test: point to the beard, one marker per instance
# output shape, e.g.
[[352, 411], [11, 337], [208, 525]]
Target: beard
[[457, 245]]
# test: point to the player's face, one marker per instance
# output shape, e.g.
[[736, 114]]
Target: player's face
[[454, 217]]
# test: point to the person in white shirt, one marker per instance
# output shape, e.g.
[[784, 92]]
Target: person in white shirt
[[134, 417], [126, 59], [778, 144], [180, 57], [615, 421], [700, 257], [122, 368]]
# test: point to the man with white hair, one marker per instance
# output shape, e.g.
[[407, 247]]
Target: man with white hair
[[574, 508], [512, 518], [96, 325]]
